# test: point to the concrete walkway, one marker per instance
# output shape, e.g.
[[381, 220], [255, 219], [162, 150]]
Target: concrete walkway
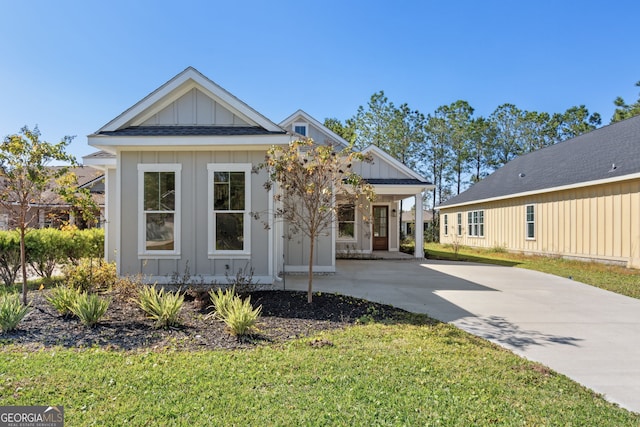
[[585, 333]]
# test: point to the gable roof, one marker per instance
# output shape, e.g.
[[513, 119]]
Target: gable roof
[[300, 114], [393, 162], [608, 154], [175, 88]]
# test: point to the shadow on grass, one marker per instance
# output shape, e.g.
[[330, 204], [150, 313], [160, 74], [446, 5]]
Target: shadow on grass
[[448, 256]]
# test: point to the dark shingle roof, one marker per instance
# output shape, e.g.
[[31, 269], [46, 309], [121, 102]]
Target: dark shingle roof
[[189, 131], [588, 157]]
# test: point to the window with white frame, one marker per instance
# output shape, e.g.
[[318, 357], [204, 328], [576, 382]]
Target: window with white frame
[[446, 225], [531, 222], [159, 210], [460, 224], [229, 205], [475, 222], [346, 221], [300, 128]]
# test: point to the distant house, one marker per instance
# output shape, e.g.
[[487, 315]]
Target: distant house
[[51, 211], [181, 186], [409, 221], [579, 198]]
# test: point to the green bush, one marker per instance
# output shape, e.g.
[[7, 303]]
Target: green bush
[[81, 244], [242, 318], [89, 308], [9, 256], [12, 311], [91, 275], [221, 301], [46, 248], [63, 298], [163, 307]]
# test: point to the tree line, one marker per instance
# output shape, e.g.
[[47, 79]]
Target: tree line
[[455, 148]]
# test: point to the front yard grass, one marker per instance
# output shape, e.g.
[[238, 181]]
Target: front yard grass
[[413, 373], [624, 281]]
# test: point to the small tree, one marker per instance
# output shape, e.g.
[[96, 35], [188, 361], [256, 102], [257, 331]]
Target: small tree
[[309, 177], [24, 177]]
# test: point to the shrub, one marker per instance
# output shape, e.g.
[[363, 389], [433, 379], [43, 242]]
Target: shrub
[[12, 311], [242, 317], [237, 313], [163, 307], [89, 308], [126, 289], [221, 301], [91, 275], [9, 256], [45, 249], [63, 298]]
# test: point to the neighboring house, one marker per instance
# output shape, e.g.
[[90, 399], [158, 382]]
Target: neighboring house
[[579, 198], [181, 187], [409, 221], [51, 211]]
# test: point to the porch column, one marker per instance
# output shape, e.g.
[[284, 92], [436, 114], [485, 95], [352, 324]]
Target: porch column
[[419, 252]]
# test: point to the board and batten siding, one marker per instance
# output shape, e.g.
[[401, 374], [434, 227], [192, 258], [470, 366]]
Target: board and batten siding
[[599, 222], [194, 233]]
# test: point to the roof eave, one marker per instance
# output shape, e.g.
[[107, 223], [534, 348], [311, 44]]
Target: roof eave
[[544, 190]]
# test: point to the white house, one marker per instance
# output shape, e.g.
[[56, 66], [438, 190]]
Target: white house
[[180, 186]]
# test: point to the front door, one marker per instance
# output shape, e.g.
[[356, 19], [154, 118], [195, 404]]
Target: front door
[[380, 228]]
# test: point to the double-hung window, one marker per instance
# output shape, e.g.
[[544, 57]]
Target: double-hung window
[[229, 207], [346, 221], [446, 225], [475, 223], [459, 223], [159, 210], [531, 222]]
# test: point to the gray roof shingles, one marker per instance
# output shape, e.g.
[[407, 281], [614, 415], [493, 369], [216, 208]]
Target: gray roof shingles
[[588, 157], [395, 181], [189, 131]]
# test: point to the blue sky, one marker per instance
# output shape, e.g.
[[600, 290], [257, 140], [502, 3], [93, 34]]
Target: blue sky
[[72, 66]]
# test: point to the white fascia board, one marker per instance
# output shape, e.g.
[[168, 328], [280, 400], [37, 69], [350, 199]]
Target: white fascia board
[[198, 80], [99, 162], [108, 143], [373, 149], [400, 190], [547, 190]]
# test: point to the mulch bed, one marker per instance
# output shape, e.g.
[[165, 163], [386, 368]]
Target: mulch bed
[[286, 315]]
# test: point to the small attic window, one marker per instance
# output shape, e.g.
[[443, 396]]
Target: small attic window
[[300, 128]]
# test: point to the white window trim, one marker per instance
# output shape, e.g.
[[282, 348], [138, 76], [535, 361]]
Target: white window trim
[[355, 225], [301, 124], [459, 225], [526, 222], [475, 225], [445, 224], [211, 231], [143, 253]]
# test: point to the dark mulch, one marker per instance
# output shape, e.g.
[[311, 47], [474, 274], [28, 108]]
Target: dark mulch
[[285, 315]]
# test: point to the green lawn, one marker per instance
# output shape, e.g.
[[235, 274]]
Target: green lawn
[[417, 373], [613, 278]]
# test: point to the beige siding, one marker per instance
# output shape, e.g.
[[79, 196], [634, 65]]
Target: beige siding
[[194, 231], [599, 222]]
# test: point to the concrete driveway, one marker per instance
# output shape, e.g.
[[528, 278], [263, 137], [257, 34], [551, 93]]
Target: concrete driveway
[[585, 333]]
